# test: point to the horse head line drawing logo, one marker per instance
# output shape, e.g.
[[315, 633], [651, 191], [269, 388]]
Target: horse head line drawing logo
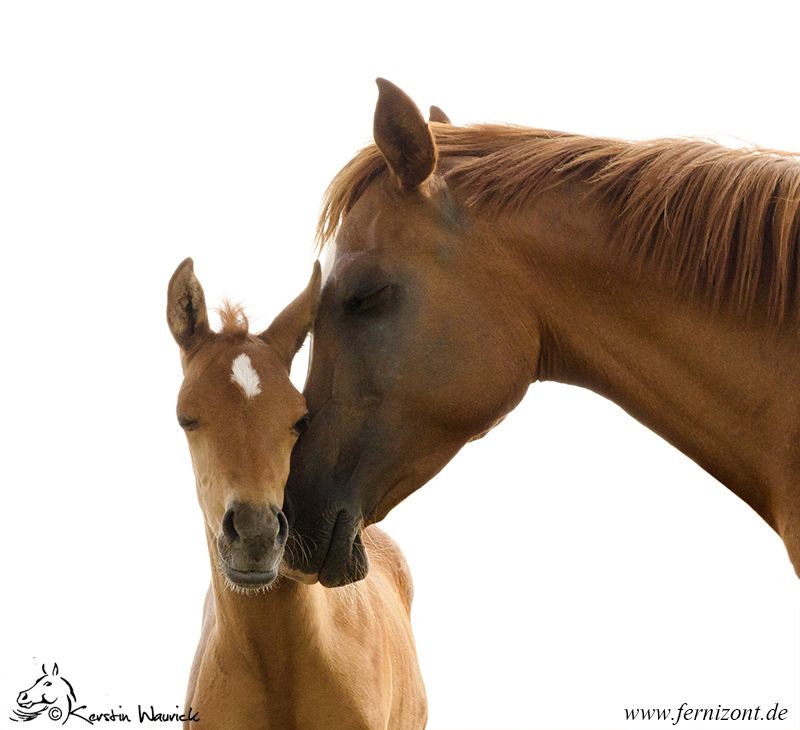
[[51, 695]]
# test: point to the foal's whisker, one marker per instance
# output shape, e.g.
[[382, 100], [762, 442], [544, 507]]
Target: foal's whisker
[[243, 589]]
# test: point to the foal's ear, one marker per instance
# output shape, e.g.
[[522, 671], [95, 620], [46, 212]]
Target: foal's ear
[[437, 115], [289, 329], [187, 315], [403, 136]]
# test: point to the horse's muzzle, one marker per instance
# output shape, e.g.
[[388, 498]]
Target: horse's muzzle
[[251, 543], [332, 553], [346, 561]]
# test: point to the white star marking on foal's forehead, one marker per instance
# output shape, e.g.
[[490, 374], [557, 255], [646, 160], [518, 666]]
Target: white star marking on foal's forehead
[[245, 376]]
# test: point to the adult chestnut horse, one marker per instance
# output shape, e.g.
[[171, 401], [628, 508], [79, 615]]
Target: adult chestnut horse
[[471, 262], [275, 654]]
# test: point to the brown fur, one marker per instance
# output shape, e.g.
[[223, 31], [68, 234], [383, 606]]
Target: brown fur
[[280, 655], [233, 319], [622, 267], [719, 222]]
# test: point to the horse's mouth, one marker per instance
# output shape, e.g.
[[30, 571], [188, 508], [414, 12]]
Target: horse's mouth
[[26, 705], [340, 559], [346, 560], [249, 579]]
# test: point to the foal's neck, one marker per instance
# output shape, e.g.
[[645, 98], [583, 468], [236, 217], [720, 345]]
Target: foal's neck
[[268, 627], [723, 391]]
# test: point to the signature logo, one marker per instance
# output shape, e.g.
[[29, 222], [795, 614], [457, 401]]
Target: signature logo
[[50, 696]]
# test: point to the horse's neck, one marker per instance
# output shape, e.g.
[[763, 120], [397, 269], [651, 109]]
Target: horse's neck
[[288, 608], [266, 629], [724, 392]]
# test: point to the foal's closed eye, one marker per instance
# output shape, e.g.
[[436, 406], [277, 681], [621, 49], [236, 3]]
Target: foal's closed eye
[[188, 424]]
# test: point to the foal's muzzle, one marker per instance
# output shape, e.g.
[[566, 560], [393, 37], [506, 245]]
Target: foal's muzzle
[[251, 543]]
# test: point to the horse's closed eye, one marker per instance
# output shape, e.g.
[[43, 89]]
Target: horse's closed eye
[[301, 425], [48, 684], [188, 424], [362, 302]]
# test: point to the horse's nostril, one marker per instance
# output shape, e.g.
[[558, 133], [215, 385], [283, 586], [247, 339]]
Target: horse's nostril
[[245, 523], [283, 529], [228, 528]]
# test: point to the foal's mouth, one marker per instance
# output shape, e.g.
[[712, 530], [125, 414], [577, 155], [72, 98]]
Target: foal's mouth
[[246, 581]]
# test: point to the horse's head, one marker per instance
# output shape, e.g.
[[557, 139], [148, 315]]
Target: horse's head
[[49, 689], [241, 415], [413, 355]]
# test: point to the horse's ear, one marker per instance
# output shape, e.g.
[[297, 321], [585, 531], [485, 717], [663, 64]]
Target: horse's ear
[[187, 315], [289, 329], [437, 115], [403, 136], [54, 673]]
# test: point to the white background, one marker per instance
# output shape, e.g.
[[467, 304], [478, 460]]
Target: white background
[[135, 134]]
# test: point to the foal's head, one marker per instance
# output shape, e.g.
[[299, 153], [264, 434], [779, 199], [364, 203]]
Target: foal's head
[[241, 415]]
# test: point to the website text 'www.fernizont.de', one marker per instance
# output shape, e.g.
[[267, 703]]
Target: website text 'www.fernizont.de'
[[685, 713]]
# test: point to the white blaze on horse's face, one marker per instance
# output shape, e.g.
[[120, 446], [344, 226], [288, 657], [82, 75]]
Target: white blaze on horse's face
[[245, 376]]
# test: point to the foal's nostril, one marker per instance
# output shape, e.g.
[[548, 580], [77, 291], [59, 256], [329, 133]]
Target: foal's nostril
[[283, 529], [228, 528], [246, 523]]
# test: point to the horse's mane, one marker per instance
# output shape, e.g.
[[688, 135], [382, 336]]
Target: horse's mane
[[233, 319], [723, 223]]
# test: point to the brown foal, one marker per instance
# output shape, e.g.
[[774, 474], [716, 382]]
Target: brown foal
[[274, 653]]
